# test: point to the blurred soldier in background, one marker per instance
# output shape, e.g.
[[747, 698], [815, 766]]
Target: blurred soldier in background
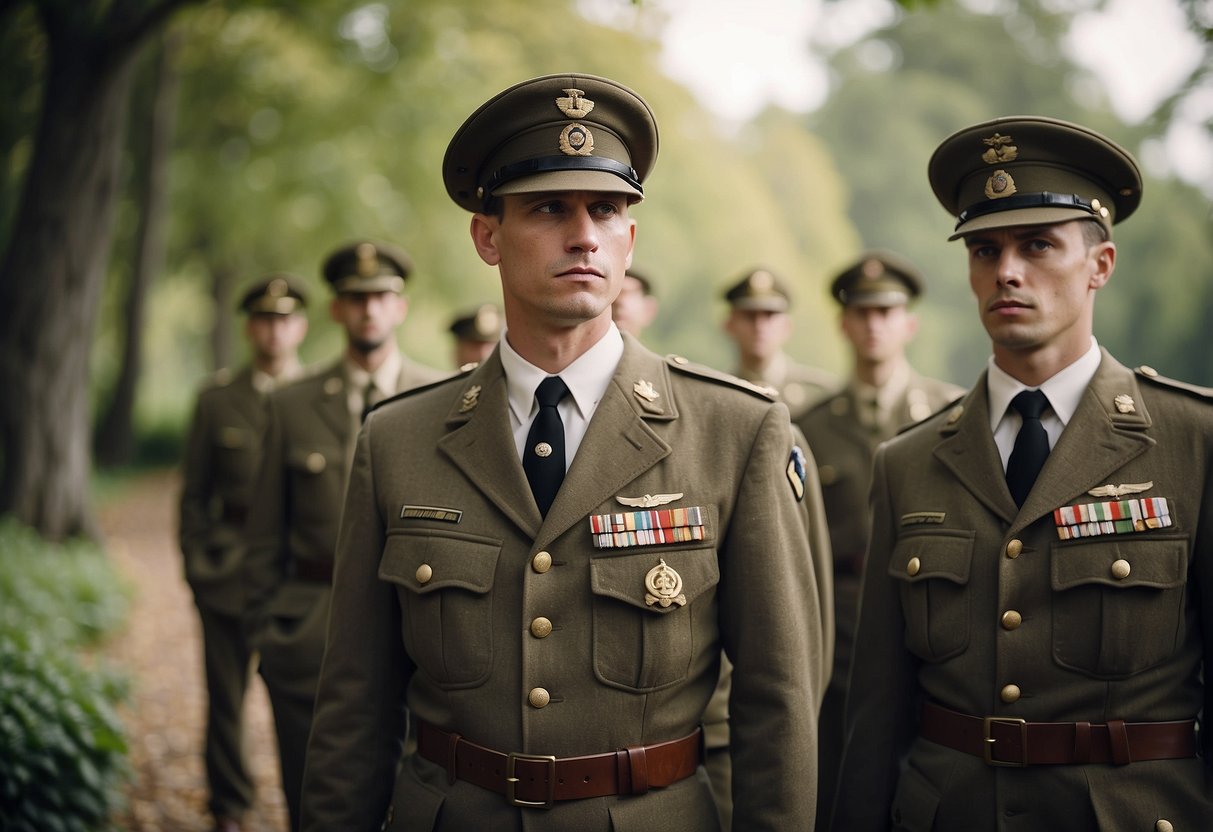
[[222, 453], [636, 306], [476, 334], [759, 325], [882, 394], [292, 525]]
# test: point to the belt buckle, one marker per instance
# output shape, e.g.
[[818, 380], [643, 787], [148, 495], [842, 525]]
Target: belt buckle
[[987, 723], [511, 782]]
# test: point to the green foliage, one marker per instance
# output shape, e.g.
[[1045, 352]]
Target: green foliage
[[62, 750]]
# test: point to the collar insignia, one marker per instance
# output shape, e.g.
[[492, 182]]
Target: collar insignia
[[1124, 404], [644, 390], [471, 398]]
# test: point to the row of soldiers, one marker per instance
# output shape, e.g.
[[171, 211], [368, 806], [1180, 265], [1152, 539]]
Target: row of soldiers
[[636, 592]]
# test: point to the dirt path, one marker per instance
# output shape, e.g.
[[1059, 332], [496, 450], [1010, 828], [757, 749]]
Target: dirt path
[[161, 649]]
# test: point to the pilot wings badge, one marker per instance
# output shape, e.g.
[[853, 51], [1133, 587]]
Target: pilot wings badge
[[649, 500], [1121, 490]]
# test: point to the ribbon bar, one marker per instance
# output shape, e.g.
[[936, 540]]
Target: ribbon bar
[[1112, 517], [646, 528]]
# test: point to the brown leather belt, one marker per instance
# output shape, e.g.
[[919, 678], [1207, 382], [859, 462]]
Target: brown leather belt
[[320, 571], [534, 781], [1009, 741]]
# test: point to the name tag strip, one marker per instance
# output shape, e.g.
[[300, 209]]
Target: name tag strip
[[645, 528], [1112, 517]]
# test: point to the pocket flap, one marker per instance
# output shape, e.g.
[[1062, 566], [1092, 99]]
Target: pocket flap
[[426, 562], [625, 577], [940, 556], [1157, 563]]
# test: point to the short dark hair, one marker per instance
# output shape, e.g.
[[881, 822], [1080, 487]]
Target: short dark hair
[[1094, 232]]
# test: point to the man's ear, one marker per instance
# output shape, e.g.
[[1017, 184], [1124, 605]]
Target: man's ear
[[1103, 261], [484, 237]]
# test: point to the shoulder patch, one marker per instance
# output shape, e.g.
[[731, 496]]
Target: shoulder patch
[[1148, 373], [422, 388], [685, 367]]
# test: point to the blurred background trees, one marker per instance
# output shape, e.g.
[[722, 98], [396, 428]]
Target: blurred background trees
[[289, 128]]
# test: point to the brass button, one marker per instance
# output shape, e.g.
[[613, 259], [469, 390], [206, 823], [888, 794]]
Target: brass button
[[1009, 694], [1011, 619], [913, 567], [1014, 548], [1121, 569], [1164, 825], [332, 385], [538, 697], [315, 462], [424, 573], [542, 562], [541, 627]]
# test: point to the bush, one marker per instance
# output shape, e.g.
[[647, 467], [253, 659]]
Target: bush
[[62, 750]]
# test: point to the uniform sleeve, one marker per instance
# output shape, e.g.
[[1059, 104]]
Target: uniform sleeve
[[881, 716], [194, 519], [771, 625], [359, 727], [266, 528], [1202, 553]]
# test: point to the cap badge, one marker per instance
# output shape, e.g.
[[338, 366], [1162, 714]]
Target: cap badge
[[368, 260], [664, 586], [1124, 404], [576, 140], [644, 390], [999, 184], [575, 106], [1001, 150], [872, 269], [471, 398], [649, 500], [762, 281], [277, 288]]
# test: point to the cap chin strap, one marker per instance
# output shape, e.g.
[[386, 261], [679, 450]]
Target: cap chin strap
[[1011, 203], [549, 164]]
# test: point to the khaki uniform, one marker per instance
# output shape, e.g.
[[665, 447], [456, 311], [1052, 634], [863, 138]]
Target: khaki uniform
[[292, 535], [221, 457], [981, 608], [799, 385], [437, 610]]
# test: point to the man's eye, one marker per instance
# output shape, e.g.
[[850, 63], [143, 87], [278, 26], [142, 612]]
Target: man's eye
[[606, 209], [549, 208]]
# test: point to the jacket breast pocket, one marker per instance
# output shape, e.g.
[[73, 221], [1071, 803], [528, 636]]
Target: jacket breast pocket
[[644, 639], [1118, 603], [932, 571], [444, 582], [234, 454]]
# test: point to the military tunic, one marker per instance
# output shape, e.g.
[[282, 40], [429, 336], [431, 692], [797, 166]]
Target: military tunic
[[222, 451], [984, 609], [445, 564], [799, 386], [292, 535]]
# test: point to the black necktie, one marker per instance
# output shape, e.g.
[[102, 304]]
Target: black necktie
[[370, 398], [1031, 444], [543, 456]]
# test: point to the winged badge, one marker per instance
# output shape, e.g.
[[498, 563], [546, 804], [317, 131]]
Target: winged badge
[[649, 500]]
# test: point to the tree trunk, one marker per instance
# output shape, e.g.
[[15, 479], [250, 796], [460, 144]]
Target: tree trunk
[[115, 444]]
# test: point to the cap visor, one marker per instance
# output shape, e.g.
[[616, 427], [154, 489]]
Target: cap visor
[[1021, 217], [568, 180]]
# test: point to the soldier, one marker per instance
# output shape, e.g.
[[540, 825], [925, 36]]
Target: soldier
[[1036, 611], [883, 394], [292, 526], [220, 463], [476, 333], [759, 325], [636, 306], [557, 636]]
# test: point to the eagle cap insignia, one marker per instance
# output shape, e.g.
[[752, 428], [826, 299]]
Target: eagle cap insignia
[[1124, 404], [368, 260], [1000, 149], [649, 500], [575, 105], [664, 586], [471, 397], [644, 390], [1121, 490]]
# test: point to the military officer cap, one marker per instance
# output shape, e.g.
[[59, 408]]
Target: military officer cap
[[1032, 170], [481, 324], [645, 284], [879, 278], [367, 267], [276, 294], [568, 132], [759, 290]]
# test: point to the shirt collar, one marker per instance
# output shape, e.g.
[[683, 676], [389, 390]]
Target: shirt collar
[[587, 377], [385, 375], [1064, 389]]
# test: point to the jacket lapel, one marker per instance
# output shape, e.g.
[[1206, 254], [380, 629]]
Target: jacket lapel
[[333, 405], [967, 449]]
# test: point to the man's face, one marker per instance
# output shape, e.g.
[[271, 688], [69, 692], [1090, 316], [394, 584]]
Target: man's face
[[369, 318], [561, 255], [274, 337], [758, 333], [1035, 287], [878, 334], [633, 310]]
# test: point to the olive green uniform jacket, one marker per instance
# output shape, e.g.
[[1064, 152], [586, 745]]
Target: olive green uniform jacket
[[455, 645], [1091, 648], [799, 385], [292, 535], [843, 447]]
